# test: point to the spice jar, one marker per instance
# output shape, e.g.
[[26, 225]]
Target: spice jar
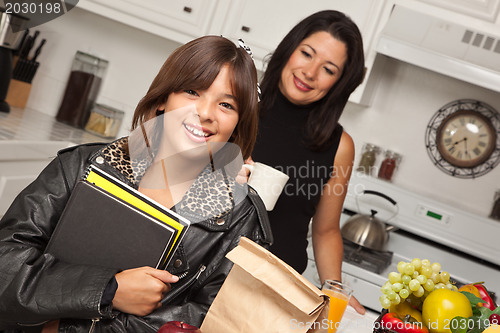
[[495, 211], [368, 158], [104, 121], [83, 85], [388, 165]]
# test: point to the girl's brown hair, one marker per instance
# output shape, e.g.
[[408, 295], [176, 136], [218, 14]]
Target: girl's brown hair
[[195, 65]]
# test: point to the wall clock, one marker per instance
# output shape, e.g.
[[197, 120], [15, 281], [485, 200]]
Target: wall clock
[[463, 138]]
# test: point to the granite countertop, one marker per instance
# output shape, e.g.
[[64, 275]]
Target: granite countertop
[[31, 125]]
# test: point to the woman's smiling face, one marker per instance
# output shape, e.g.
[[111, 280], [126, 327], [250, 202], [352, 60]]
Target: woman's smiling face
[[195, 118], [313, 68]]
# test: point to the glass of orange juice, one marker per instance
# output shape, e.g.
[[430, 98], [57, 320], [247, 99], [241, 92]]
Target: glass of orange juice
[[339, 295]]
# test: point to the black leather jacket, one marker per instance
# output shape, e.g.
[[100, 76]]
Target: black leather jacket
[[35, 287]]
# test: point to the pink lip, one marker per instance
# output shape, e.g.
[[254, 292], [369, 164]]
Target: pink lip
[[196, 138], [301, 85]]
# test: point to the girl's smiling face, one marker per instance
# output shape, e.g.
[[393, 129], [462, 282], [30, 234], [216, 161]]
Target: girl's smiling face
[[313, 68], [194, 118]]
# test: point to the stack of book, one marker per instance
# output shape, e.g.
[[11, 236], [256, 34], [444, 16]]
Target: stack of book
[[108, 223]]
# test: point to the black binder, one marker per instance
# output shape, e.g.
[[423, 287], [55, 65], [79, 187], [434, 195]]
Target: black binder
[[115, 226]]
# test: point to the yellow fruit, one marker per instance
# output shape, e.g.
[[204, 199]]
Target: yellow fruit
[[492, 328], [404, 308], [441, 306]]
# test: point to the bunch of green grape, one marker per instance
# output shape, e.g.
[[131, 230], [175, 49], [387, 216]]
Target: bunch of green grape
[[413, 282]]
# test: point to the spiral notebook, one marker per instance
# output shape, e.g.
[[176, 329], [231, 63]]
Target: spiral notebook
[[108, 223]]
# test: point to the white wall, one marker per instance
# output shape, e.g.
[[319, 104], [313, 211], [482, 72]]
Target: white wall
[[405, 100]]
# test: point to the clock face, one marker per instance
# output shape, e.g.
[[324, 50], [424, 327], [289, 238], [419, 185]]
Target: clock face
[[463, 138], [466, 138]]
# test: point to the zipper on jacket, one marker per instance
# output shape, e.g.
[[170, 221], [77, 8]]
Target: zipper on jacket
[[200, 270], [94, 322], [186, 285]]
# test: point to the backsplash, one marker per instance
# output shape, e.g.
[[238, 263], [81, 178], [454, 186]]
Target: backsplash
[[134, 59], [404, 101]]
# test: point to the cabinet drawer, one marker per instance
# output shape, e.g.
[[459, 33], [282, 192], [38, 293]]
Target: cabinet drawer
[[185, 17]]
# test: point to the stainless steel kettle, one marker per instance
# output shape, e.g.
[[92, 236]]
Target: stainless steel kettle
[[367, 230]]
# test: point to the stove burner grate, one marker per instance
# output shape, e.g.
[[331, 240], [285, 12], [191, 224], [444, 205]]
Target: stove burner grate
[[372, 260]]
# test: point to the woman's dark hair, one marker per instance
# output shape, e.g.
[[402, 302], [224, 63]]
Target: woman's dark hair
[[325, 114], [195, 65]]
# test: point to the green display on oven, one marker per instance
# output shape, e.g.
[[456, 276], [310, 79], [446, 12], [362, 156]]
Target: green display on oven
[[434, 215]]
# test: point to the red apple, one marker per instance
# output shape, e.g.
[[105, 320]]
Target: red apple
[[178, 327]]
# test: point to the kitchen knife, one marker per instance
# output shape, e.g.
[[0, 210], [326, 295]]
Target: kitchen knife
[[21, 43], [38, 50], [26, 47], [35, 35]]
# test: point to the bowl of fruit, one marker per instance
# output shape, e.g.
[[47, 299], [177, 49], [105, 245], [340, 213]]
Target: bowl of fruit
[[421, 298]]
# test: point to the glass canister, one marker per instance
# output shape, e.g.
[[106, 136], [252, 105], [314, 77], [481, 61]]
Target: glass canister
[[84, 83], [104, 121], [389, 165], [368, 158]]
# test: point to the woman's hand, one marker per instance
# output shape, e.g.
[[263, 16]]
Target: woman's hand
[[356, 305], [140, 290], [244, 173]]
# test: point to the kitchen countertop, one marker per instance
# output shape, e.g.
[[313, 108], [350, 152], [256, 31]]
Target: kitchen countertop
[[31, 125], [353, 322]]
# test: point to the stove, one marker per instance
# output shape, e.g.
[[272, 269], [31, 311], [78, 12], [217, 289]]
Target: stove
[[369, 259], [426, 229]]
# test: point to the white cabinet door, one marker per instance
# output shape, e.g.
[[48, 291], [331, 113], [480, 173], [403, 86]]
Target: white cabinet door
[[262, 23], [178, 20]]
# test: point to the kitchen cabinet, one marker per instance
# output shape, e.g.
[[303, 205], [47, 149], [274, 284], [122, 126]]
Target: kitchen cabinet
[[178, 20], [483, 15], [20, 164], [483, 9], [260, 23]]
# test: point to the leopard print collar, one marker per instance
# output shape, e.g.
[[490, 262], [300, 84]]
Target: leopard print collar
[[211, 195]]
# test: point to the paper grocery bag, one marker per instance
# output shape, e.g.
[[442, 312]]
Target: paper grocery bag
[[264, 294]]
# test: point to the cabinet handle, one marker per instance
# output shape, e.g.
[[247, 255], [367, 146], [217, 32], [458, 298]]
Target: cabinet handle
[[188, 9], [245, 28]]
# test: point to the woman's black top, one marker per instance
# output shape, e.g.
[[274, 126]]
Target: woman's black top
[[281, 144]]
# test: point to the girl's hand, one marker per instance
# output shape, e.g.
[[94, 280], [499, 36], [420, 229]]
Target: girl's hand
[[140, 290], [243, 174]]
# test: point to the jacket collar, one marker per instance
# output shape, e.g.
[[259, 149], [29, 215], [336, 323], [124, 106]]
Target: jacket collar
[[210, 198]]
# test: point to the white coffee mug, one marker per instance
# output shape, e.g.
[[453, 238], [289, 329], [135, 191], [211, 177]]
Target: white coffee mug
[[267, 182]]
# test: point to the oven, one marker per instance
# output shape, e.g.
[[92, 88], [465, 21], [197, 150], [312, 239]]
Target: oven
[[466, 245]]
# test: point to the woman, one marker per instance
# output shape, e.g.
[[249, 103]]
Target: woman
[[204, 96], [305, 88]]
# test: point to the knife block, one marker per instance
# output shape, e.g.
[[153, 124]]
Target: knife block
[[18, 93]]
